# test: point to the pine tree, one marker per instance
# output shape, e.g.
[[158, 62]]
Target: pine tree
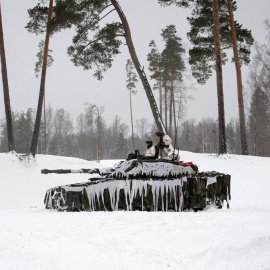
[[173, 65], [209, 37], [188, 134], [259, 123], [202, 54], [231, 137], [131, 81], [11, 144], [23, 130], [4, 136], [218, 58], [62, 132], [201, 35], [95, 53], [39, 63], [34, 143], [239, 82], [166, 68], [179, 3], [154, 59], [121, 146]]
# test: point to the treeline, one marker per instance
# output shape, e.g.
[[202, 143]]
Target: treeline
[[202, 137], [90, 137]]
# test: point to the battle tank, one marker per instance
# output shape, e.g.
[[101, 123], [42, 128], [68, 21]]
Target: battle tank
[[142, 184]]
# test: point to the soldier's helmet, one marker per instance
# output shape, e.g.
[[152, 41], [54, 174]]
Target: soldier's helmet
[[150, 143], [160, 133]]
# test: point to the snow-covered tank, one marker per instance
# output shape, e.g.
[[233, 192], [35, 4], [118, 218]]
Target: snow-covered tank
[[141, 184]]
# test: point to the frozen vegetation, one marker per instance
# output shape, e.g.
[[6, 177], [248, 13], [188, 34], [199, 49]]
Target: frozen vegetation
[[34, 238]]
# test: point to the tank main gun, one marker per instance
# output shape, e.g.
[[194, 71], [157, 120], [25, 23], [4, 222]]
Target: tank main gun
[[65, 171]]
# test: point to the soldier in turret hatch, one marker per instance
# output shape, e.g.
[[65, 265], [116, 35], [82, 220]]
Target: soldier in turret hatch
[[164, 144], [150, 151]]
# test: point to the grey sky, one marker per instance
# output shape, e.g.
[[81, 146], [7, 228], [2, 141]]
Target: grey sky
[[70, 87]]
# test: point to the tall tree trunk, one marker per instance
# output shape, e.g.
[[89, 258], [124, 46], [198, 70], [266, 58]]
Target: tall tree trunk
[[11, 144], [173, 105], [166, 106], [177, 123], [239, 84], [138, 67], [160, 93], [33, 147], [45, 127], [170, 116], [174, 113], [221, 114], [131, 118]]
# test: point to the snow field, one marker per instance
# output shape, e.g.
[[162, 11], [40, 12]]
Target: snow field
[[34, 238]]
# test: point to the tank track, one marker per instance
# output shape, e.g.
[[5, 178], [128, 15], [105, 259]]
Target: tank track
[[143, 193]]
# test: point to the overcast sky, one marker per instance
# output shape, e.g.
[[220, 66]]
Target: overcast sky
[[70, 87]]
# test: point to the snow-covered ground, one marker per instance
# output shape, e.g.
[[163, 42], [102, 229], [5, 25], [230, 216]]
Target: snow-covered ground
[[34, 238]]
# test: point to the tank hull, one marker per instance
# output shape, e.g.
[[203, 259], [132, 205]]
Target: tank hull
[[142, 193]]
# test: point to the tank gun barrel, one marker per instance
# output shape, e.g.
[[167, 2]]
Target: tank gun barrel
[[64, 171]]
